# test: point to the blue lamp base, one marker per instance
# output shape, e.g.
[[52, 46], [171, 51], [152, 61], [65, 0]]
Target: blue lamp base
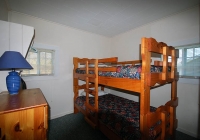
[[13, 81]]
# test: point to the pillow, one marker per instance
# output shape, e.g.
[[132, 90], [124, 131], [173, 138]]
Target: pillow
[[100, 93]]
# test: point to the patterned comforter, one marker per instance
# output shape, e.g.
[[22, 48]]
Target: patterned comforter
[[119, 114], [128, 71]]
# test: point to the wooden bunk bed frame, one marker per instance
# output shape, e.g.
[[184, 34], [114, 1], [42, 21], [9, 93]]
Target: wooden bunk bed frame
[[166, 113]]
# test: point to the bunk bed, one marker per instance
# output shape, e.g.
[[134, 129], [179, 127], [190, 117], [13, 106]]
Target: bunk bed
[[120, 118]]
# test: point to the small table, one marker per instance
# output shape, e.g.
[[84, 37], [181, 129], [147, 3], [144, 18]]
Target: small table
[[23, 115]]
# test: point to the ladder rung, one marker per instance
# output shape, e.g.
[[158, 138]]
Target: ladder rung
[[84, 86], [90, 75], [160, 63], [88, 106], [90, 91]]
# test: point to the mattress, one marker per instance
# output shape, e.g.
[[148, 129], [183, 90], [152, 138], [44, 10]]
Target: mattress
[[119, 114], [128, 71]]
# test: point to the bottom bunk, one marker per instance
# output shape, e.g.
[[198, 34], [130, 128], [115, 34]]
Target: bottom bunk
[[118, 118]]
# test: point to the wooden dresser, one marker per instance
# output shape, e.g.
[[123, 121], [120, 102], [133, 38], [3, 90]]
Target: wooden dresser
[[23, 116]]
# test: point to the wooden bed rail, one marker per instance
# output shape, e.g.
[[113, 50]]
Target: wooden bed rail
[[100, 69], [167, 52], [165, 116], [128, 62], [91, 61], [165, 113], [108, 61]]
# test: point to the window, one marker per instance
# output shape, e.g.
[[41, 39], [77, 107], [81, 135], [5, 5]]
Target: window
[[188, 63], [42, 61]]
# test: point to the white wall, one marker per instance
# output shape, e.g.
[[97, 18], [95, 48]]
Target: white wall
[[179, 29], [70, 43], [3, 11], [13, 37]]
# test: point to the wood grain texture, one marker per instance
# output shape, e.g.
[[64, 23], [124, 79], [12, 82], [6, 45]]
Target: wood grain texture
[[25, 99], [24, 116], [166, 112]]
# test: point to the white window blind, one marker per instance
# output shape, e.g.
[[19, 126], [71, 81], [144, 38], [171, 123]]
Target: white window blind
[[42, 61], [188, 63]]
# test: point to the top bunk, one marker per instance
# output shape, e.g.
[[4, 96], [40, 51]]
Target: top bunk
[[130, 75]]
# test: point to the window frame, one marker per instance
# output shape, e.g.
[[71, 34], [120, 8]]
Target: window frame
[[56, 68], [184, 58], [39, 50]]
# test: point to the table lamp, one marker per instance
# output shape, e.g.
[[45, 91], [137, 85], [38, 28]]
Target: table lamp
[[12, 60]]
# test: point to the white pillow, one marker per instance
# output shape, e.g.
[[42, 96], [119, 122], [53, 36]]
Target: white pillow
[[100, 93]]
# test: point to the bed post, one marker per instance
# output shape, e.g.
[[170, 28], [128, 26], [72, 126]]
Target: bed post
[[145, 89], [96, 83], [75, 82], [174, 98]]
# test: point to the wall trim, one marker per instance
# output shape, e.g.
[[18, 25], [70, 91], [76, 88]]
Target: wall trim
[[61, 114], [188, 133], [69, 27]]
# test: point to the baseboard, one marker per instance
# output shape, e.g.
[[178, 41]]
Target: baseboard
[[188, 133], [60, 115]]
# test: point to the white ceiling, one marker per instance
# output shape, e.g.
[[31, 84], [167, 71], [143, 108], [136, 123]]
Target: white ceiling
[[104, 17]]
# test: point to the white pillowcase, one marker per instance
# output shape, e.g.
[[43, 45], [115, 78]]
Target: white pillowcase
[[100, 93]]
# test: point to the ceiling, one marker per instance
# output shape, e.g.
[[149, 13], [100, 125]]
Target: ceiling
[[104, 17]]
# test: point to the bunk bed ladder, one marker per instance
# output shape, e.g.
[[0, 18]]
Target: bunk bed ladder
[[93, 77], [75, 82]]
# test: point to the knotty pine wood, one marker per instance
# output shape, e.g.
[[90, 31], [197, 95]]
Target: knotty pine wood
[[92, 61], [23, 116], [142, 86]]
